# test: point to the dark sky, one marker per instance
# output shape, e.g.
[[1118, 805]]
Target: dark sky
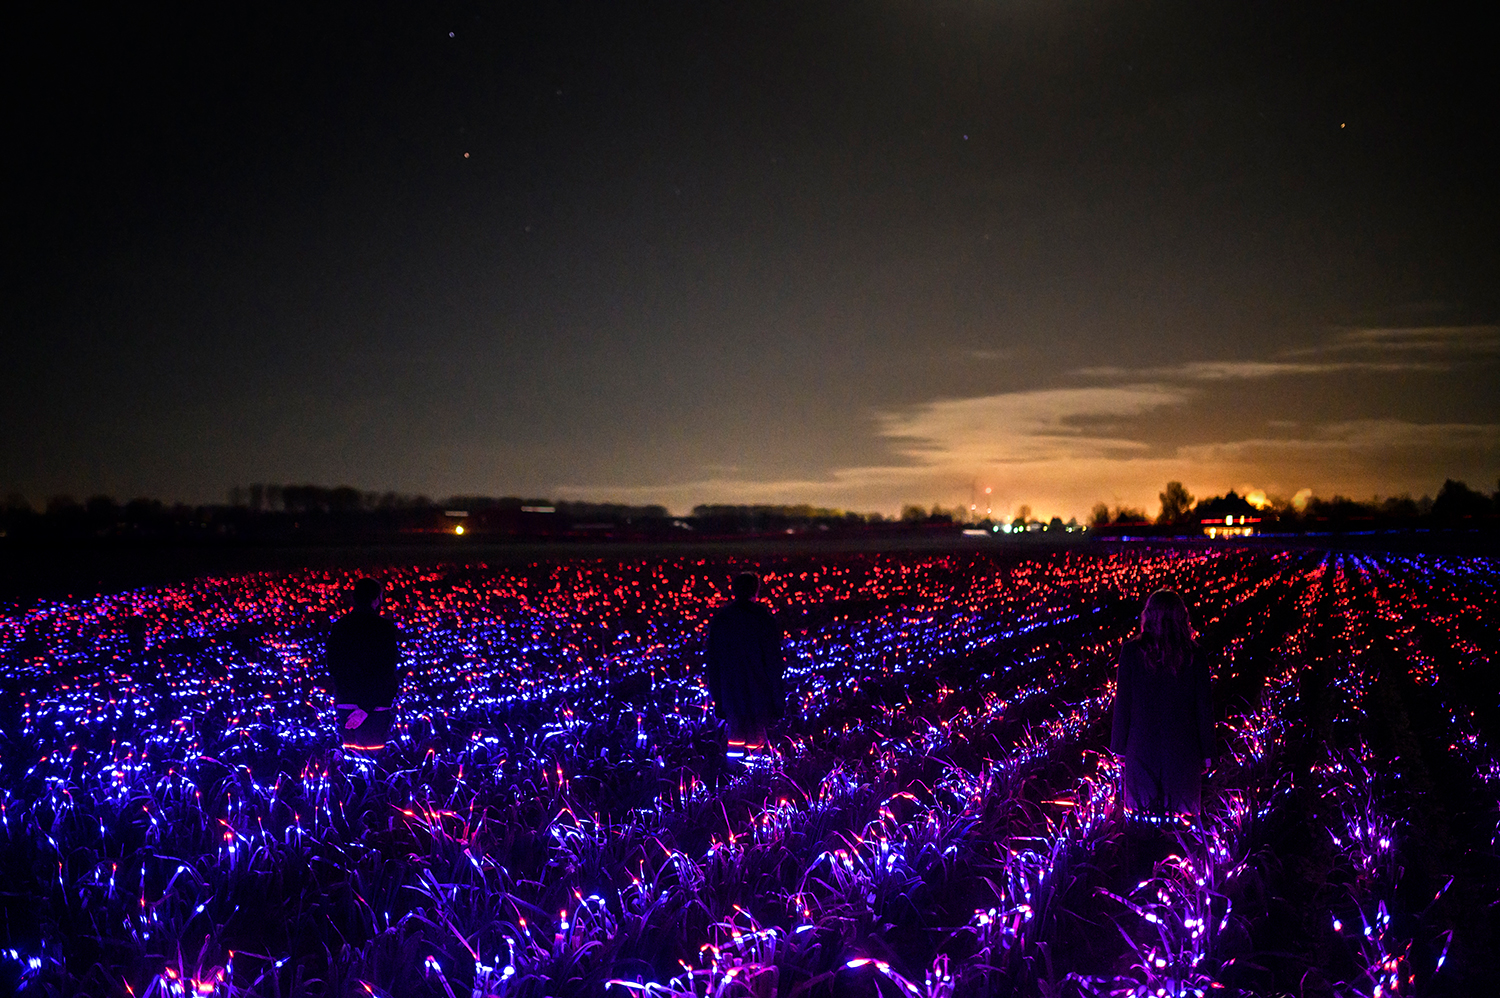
[[857, 255]]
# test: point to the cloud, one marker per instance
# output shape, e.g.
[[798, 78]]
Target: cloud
[[1476, 339], [1390, 350], [1060, 450], [1244, 370], [1046, 449], [1055, 449], [1047, 425], [1387, 439], [1360, 458]]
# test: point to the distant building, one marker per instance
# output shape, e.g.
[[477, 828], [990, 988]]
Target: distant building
[[1227, 516]]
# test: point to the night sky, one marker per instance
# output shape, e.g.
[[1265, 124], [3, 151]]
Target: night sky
[[856, 255]]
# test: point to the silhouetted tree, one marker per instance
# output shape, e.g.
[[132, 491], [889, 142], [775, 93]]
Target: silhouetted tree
[[1176, 504], [141, 510], [345, 499], [1339, 512], [1456, 503], [102, 509], [1099, 515], [298, 498], [17, 515], [1399, 508]]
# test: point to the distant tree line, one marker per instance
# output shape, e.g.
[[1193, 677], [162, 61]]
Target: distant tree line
[[319, 499], [321, 514], [1456, 507], [343, 514], [725, 519]]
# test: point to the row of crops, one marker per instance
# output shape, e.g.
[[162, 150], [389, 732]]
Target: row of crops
[[555, 814]]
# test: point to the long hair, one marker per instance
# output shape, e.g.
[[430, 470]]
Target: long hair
[[1167, 635]]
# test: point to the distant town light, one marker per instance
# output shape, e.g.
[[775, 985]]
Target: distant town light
[[459, 530], [539, 509]]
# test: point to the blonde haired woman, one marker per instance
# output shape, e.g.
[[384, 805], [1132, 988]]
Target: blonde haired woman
[[1163, 720]]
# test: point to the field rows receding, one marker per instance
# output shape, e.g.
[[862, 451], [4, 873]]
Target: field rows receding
[[554, 814]]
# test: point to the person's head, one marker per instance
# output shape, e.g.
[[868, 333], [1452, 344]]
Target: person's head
[[745, 586], [367, 594], [1166, 631]]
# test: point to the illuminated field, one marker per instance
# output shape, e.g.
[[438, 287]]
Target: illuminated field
[[554, 815]]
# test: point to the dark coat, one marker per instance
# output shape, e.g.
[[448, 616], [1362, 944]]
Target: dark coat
[[362, 657], [1164, 727], [745, 664]]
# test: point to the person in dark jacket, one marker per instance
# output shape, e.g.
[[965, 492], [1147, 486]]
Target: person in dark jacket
[[745, 667], [1163, 718], [362, 657]]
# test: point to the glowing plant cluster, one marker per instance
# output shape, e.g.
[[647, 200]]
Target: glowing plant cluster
[[554, 813]]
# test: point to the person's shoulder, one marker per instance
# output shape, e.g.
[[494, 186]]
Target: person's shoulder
[[740, 608], [1133, 656], [365, 623], [758, 612], [768, 619], [386, 629]]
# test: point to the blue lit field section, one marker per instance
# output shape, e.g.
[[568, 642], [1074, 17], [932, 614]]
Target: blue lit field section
[[553, 813]]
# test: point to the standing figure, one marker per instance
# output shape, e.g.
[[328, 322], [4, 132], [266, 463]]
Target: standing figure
[[745, 666], [1163, 719], [362, 657]]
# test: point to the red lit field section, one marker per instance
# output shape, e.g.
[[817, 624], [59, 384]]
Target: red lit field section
[[553, 813]]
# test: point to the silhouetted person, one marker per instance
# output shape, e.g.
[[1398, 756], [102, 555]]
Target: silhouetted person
[[745, 666], [1163, 718], [362, 657]]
